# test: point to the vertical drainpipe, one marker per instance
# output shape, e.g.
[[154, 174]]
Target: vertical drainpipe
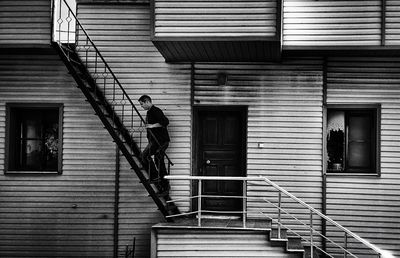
[[116, 202], [383, 22], [193, 164], [324, 154]]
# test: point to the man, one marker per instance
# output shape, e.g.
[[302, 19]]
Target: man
[[158, 141]]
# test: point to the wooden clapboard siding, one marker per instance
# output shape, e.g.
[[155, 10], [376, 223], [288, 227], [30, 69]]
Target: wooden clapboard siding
[[122, 34], [209, 31], [37, 215], [392, 23], [369, 205], [211, 243], [284, 113], [332, 23], [137, 213], [25, 22], [215, 18]]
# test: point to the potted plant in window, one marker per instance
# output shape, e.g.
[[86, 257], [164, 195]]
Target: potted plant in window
[[335, 146]]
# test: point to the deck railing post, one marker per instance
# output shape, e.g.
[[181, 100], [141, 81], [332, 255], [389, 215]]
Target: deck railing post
[[345, 245], [244, 196], [311, 235], [199, 203], [279, 213]]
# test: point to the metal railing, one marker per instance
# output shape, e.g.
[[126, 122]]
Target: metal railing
[[286, 212], [69, 33]]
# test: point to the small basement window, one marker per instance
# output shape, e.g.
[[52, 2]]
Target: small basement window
[[34, 138], [352, 139]]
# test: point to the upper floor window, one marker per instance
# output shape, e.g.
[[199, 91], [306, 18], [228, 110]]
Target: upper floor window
[[34, 138], [352, 139]]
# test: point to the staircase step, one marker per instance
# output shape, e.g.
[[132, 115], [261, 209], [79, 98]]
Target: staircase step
[[259, 223], [307, 252], [294, 245], [275, 234], [277, 240]]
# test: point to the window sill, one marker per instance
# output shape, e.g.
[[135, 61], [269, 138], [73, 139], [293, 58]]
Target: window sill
[[349, 174], [16, 173]]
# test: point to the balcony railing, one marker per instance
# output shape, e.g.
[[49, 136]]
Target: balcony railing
[[287, 212], [73, 38]]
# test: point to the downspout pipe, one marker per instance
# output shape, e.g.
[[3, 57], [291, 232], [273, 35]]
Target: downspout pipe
[[324, 152], [116, 202]]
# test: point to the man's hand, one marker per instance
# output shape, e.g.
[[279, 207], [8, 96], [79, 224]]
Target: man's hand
[[153, 125]]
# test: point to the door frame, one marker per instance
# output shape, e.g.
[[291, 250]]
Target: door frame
[[240, 109]]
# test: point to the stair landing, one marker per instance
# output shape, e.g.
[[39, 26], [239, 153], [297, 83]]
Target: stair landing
[[211, 223]]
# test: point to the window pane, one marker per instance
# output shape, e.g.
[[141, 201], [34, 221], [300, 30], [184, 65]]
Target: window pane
[[50, 154], [32, 129], [34, 143], [360, 126], [335, 141], [359, 155], [32, 154], [351, 140]]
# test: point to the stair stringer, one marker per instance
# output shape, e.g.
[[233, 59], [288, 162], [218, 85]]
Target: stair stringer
[[215, 242], [112, 123]]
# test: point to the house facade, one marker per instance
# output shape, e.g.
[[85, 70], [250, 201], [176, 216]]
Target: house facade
[[305, 93]]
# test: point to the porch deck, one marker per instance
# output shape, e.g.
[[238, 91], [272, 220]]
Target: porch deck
[[219, 223]]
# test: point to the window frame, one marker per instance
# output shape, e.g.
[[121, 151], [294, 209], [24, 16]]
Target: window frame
[[9, 109], [376, 108]]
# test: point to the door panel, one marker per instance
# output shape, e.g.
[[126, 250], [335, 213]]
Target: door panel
[[221, 153]]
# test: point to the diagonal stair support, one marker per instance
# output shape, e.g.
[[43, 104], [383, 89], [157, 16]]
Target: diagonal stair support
[[104, 110]]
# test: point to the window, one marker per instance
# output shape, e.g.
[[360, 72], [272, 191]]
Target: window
[[352, 139], [34, 138]]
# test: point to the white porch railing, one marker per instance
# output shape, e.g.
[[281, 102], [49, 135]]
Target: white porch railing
[[349, 245]]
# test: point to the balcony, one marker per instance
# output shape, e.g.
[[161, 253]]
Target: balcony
[[217, 31]]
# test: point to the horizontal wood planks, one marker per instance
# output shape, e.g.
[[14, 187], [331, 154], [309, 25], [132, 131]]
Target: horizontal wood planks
[[368, 205], [215, 243], [392, 23], [215, 18], [332, 23], [25, 22], [122, 34], [71, 214], [56, 215], [284, 114]]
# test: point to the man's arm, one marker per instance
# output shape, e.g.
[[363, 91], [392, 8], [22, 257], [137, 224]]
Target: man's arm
[[160, 119]]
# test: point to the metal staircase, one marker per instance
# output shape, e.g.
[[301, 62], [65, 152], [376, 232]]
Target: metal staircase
[[291, 223], [108, 98]]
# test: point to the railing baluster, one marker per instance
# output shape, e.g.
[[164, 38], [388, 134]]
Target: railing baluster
[[279, 213], [105, 81], [345, 245], [87, 51], [95, 66], [311, 234], [123, 108], [59, 21], [244, 202], [140, 134], [132, 130], [68, 19], [199, 199]]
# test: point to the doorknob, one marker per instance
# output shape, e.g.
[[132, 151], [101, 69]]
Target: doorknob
[[208, 162]]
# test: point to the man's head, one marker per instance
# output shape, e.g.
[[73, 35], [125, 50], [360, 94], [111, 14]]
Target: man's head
[[145, 102]]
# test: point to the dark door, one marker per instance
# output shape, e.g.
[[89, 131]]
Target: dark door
[[221, 146]]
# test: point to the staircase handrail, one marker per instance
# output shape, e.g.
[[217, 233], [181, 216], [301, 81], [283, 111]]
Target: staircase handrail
[[280, 189], [114, 77], [355, 236]]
